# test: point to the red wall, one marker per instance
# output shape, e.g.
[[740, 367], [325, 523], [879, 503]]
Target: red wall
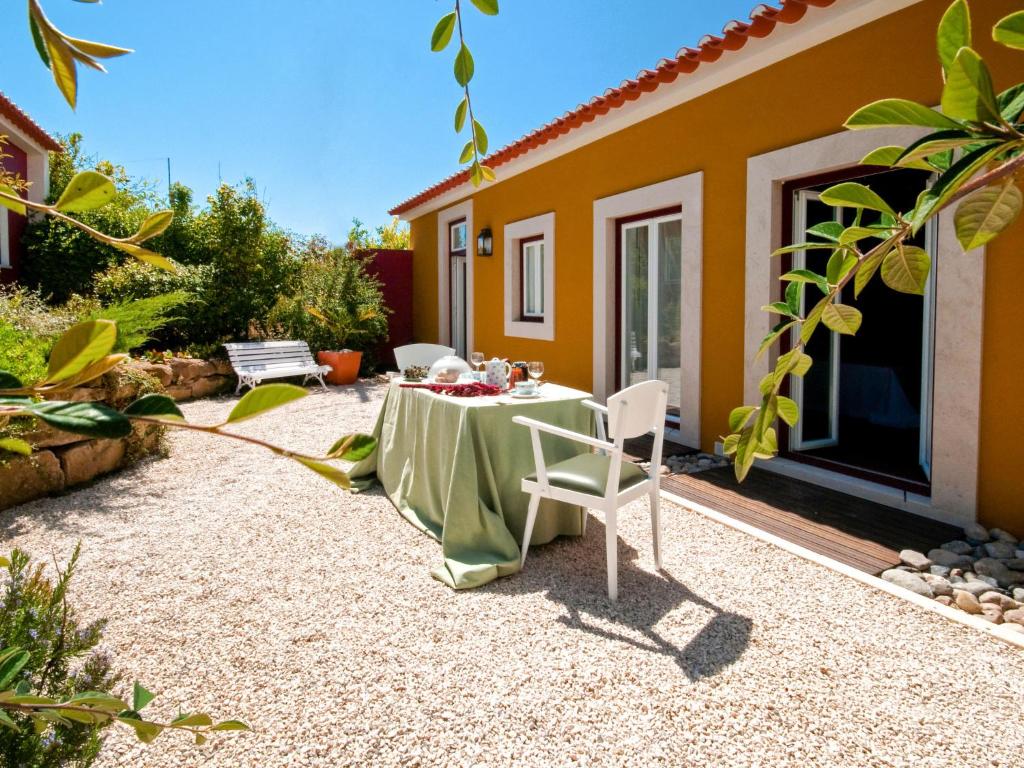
[[17, 163], [394, 269]]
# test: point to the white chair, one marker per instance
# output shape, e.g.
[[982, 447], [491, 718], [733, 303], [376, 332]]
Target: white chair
[[603, 480], [420, 354]]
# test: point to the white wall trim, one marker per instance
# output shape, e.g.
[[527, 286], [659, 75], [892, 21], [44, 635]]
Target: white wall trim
[[818, 26], [463, 210], [513, 232], [959, 302], [686, 191], [38, 172]]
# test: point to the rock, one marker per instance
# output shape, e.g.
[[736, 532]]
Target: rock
[[976, 588], [915, 559], [998, 598], [1018, 553], [966, 601], [84, 461], [976, 534], [945, 600], [957, 573], [45, 436], [939, 570], [983, 579], [1015, 563], [1004, 576], [938, 584], [81, 395], [907, 581], [979, 552], [1016, 615], [222, 366], [1000, 550], [1012, 627], [1004, 536], [958, 547], [187, 369], [992, 613], [24, 478], [209, 385], [664, 470], [950, 560], [1018, 594], [179, 391], [159, 371]]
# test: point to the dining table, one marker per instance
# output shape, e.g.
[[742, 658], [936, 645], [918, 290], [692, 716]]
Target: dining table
[[453, 466]]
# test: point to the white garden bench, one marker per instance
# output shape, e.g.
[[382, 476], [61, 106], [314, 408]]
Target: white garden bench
[[255, 361]]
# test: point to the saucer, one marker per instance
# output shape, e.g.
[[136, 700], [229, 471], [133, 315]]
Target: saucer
[[524, 395]]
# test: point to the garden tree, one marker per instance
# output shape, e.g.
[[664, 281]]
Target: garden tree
[[975, 146], [393, 236]]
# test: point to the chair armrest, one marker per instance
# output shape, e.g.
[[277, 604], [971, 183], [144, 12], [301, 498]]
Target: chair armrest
[[596, 407], [566, 433]]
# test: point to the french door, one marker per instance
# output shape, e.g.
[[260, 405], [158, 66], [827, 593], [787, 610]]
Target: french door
[[457, 286], [650, 297]]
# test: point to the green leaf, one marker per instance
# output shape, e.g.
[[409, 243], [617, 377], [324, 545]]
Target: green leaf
[[99, 700], [14, 445], [9, 381], [1010, 30], [333, 474], [850, 194], [467, 153], [154, 225], [481, 138], [794, 297], [140, 697], [157, 406], [463, 66], [91, 419], [739, 416], [487, 172], [460, 114], [796, 247], [841, 318], [839, 266], [7, 722], [354, 447], [12, 664], [144, 730], [475, 174], [806, 276], [812, 319], [230, 725], [886, 156], [853, 235], [17, 207], [37, 41], [954, 32], [729, 444], [87, 191], [932, 144], [827, 230], [905, 269], [788, 410], [898, 112], [985, 213], [199, 719], [867, 270], [264, 398], [79, 346], [442, 32], [490, 7], [774, 334], [968, 93], [1011, 103], [933, 198], [780, 307], [145, 255]]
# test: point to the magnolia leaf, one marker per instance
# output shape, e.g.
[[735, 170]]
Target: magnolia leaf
[[905, 269], [1010, 30], [99, 700], [79, 346], [986, 213], [481, 138], [476, 175], [333, 474], [264, 398], [463, 66], [797, 247], [788, 410], [93, 370], [13, 205], [145, 255], [888, 156], [91, 419], [839, 266], [806, 276], [62, 60], [442, 32], [812, 320], [87, 191], [37, 40], [853, 235], [850, 194], [933, 198], [144, 730], [774, 334], [739, 417], [490, 7], [794, 297], [487, 172], [156, 406], [99, 50], [933, 144], [827, 230], [199, 719], [353, 447], [968, 93], [467, 153], [780, 307], [841, 318], [154, 225], [14, 445], [230, 725], [867, 270], [1011, 103], [729, 444], [460, 114], [954, 32], [898, 112]]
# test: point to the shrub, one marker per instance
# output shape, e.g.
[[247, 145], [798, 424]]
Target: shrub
[[139, 320], [22, 354], [36, 617]]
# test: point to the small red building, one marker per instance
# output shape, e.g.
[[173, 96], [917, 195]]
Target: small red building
[[28, 146]]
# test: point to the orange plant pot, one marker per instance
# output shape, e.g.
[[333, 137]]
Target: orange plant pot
[[344, 365]]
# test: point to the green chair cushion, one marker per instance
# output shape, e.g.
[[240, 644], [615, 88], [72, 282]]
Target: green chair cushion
[[588, 473]]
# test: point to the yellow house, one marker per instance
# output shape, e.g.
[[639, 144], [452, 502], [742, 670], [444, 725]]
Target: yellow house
[[632, 239]]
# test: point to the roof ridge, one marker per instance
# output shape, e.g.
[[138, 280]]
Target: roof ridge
[[27, 125], [763, 20]]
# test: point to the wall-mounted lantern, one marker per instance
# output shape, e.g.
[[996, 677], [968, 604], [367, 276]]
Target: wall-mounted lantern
[[484, 242]]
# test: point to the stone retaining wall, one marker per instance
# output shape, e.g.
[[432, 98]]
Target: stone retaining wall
[[185, 378]]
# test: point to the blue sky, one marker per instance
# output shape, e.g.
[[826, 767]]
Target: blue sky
[[337, 108]]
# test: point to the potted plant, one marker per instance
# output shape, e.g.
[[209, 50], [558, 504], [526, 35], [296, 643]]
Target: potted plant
[[345, 327]]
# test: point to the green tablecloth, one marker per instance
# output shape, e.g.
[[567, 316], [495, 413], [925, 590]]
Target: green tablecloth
[[453, 467]]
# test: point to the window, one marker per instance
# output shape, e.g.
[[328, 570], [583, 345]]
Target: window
[[457, 237], [531, 279], [457, 331], [5, 239]]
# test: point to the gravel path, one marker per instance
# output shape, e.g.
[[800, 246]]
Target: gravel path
[[248, 586]]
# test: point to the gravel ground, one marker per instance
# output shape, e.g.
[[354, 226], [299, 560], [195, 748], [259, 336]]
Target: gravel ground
[[245, 585]]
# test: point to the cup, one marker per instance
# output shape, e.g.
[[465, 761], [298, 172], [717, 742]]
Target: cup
[[525, 387]]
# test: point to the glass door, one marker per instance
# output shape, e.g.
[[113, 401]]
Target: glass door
[[650, 332], [457, 286]]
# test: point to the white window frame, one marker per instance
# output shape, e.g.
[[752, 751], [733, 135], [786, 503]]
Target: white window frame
[[536, 261], [512, 234], [445, 218], [959, 310], [5, 239]]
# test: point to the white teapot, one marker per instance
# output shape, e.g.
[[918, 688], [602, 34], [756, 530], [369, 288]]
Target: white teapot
[[496, 372]]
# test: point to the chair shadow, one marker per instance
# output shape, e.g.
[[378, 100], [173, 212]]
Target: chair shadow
[[572, 572]]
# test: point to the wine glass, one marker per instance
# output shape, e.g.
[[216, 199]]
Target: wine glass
[[536, 370], [477, 359]]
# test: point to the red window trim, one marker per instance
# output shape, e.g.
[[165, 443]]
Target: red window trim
[[523, 317]]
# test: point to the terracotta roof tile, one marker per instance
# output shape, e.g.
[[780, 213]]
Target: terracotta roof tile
[[763, 19], [28, 126]]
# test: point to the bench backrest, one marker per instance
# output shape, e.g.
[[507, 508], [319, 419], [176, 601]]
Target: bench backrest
[[269, 354]]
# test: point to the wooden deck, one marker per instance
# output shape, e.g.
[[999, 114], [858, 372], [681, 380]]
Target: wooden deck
[[860, 533]]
